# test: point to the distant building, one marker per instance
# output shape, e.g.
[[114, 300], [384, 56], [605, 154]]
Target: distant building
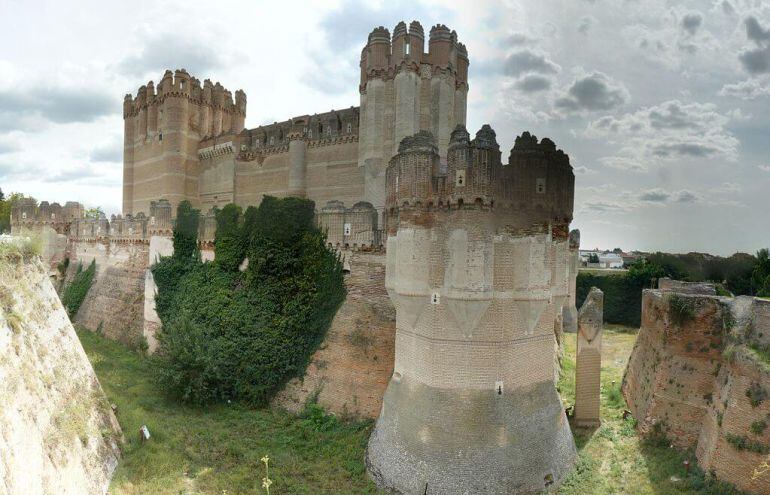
[[598, 259]]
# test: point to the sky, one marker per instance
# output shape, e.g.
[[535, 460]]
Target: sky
[[663, 106]]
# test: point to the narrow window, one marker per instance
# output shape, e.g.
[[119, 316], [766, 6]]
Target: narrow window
[[347, 229], [350, 127], [540, 186], [272, 140], [310, 133], [499, 387], [181, 85], [460, 179], [152, 220], [435, 298], [328, 130], [406, 48], [160, 135]]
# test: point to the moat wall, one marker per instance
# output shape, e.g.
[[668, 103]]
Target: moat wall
[[57, 432], [694, 381], [114, 305], [350, 371]]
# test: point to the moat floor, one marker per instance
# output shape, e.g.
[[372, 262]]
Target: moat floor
[[217, 450]]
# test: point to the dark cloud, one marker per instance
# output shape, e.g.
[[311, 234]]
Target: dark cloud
[[755, 32], [54, 104], [674, 115], [655, 196], [517, 39], [107, 153], [527, 61], [604, 206], [686, 196], [756, 60], [691, 23], [585, 24], [171, 51], [727, 7], [533, 83], [685, 149], [595, 91]]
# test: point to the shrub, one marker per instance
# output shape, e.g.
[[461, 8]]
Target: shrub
[[75, 293], [228, 243], [756, 394], [758, 427], [681, 309], [186, 231], [233, 335]]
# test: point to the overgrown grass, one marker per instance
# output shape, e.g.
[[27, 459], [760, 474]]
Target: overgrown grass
[[213, 449], [219, 448], [613, 459]]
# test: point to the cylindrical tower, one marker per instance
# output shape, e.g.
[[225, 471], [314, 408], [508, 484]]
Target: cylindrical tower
[[297, 165], [472, 405]]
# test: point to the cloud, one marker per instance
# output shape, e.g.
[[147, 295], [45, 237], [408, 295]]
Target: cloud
[[671, 129], [517, 39], [685, 196], [623, 163], [8, 146], [586, 22], [527, 61], [656, 195], [533, 83], [582, 169], [756, 60], [107, 153], [19, 107], [746, 90], [605, 206], [595, 91], [172, 51], [765, 168], [691, 23], [727, 7]]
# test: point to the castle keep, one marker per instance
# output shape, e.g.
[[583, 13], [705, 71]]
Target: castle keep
[[187, 141]]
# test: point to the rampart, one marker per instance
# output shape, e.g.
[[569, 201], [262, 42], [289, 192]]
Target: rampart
[[699, 374]]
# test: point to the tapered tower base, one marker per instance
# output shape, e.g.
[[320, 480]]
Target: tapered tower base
[[447, 442]]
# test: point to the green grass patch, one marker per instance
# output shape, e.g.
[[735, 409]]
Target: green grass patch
[[217, 448]]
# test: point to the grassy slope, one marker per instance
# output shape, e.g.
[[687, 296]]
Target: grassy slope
[[613, 459], [219, 448]]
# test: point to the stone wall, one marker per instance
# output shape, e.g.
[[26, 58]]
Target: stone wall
[[693, 379], [350, 371], [57, 432], [114, 304]]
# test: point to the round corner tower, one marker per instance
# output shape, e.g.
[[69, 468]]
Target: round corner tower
[[405, 89], [478, 279]]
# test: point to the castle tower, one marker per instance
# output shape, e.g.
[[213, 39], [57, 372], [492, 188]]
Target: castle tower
[[163, 127], [405, 90], [472, 405]]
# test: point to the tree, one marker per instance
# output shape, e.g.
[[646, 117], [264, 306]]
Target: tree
[[94, 212], [760, 276], [593, 258], [617, 251]]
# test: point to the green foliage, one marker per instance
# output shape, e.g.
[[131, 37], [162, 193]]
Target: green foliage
[[217, 449], [756, 394], [96, 212], [760, 276], [62, 266], [186, 232], [734, 270], [681, 309], [75, 293], [229, 243], [743, 443], [232, 335], [622, 296], [758, 427], [314, 416]]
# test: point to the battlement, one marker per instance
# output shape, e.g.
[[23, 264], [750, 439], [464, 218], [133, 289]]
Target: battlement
[[536, 187], [383, 56], [180, 83]]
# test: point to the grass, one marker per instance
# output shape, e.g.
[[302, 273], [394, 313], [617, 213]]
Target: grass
[[613, 459], [217, 450]]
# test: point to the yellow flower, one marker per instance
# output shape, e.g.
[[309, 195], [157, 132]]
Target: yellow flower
[[266, 482], [265, 459]]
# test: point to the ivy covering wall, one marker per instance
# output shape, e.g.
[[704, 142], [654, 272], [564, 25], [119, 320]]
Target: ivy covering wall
[[241, 335], [75, 293]]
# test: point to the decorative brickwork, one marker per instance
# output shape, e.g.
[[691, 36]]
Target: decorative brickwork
[[588, 371], [478, 285]]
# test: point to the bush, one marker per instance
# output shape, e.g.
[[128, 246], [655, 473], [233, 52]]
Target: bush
[[186, 231], [75, 293], [232, 335], [681, 309], [622, 296]]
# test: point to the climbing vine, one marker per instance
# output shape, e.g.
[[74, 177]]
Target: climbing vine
[[228, 334], [75, 293]]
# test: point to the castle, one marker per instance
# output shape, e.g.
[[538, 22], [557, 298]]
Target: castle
[[184, 141], [478, 260]]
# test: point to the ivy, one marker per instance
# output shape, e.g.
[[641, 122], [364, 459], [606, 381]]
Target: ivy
[[76, 291], [237, 335], [186, 231]]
